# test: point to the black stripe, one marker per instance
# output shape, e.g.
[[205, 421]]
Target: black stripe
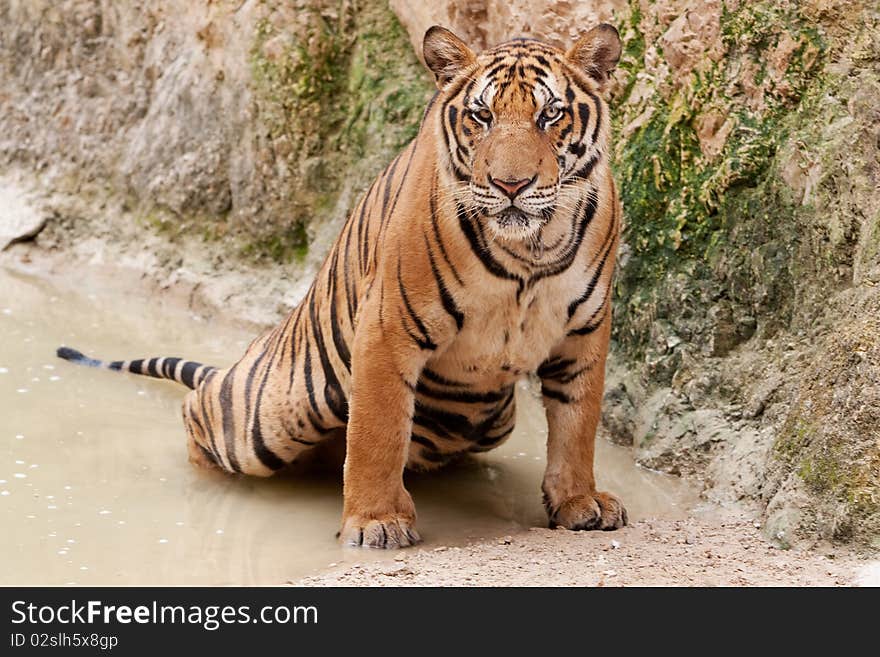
[[421, 342], [228, 419], [338, 339], [436, 378], [558, 369], [584, 116], [310, 385], [248, 386], [428, 108], [194, 418], [349, 295], [425, 442], [491, 441], [267, 457], [209, 425], [136, 366], [435, 224], [435, 457], [208, 455], [413, 146], [584, 172], [463, 396], [152, 367], [295, 347], [446, 299], [188, 372], [608, 243], [592, 326], [362, 251], [459, 174], [427, 342], [206, 371], [169, 366], [442, 423], [446, 424], [336, 330], [333, 395], [554, 366], [598, 116], [478, 247], [317, 424], [567, 257], [389, 178], [555, 394], [116, 365]]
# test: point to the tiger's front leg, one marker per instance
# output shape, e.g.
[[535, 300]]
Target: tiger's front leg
[[378, 511], [572, 384]]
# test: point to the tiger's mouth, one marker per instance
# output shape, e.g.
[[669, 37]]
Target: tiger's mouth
[[513, 218], [512, 223]]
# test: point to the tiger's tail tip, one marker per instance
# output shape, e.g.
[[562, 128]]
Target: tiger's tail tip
[[74, 356]]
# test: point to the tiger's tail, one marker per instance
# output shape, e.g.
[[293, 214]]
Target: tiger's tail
[[187, 372]]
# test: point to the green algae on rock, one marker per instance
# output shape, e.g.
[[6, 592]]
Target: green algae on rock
[[340, 96]]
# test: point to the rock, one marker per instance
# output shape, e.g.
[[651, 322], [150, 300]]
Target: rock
[[398, 571], [19, 220], [618, 415], [782, 526], [485, 23], [693, 38]]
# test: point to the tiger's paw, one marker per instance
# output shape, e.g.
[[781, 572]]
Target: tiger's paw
[[388, 533], [590, 511]]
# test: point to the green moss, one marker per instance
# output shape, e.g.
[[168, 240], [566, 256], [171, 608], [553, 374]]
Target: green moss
[[830, 439], [682, 205], [344, 97], [793, 438], [291, 245]]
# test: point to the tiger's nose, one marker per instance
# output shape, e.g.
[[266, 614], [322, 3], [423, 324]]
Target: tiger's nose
[[511, 187]]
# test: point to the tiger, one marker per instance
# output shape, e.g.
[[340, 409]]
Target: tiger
[[483, 254]]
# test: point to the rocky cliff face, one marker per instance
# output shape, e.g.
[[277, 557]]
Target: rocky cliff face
[[244, 119], [747, 137]]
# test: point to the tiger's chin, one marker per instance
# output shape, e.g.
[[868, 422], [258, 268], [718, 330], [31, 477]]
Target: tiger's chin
[[515, 225]]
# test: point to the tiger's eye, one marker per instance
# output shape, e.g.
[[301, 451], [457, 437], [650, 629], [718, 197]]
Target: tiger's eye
[[482, 115], [551, 113]]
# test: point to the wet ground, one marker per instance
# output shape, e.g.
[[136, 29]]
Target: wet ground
[[95, 487]]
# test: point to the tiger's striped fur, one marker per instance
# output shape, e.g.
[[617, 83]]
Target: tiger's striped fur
[[483, 253]]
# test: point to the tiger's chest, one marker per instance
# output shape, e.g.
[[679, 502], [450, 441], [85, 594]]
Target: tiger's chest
[[507, 335]]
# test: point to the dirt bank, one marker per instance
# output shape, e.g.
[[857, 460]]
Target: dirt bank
[[701, 551]]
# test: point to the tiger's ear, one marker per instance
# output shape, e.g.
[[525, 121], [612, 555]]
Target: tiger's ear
[[596, 53], [445, 54]]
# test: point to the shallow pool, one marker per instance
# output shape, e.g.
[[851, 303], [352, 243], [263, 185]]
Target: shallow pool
[[95, 487]]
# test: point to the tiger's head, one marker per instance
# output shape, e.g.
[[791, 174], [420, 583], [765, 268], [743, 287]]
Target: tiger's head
[[521, 122]]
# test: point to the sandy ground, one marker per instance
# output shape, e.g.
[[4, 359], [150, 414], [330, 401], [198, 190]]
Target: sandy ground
[[701, 551]]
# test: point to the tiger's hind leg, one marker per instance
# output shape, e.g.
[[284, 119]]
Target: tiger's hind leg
[[254, 441], [197, 446]]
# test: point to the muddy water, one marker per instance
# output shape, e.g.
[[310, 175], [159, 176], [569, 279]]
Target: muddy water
[[95, 487]]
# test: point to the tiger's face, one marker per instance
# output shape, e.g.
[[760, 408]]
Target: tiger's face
[[521, 122]]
